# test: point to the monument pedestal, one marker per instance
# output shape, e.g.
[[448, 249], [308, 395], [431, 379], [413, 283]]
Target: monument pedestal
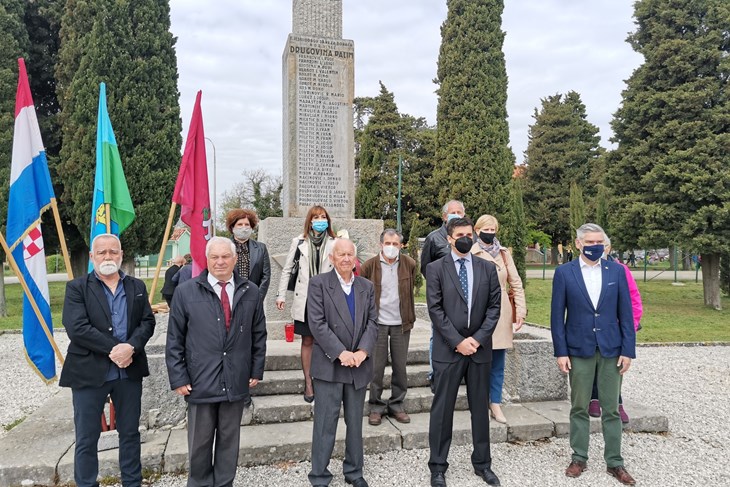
[[277, 233]]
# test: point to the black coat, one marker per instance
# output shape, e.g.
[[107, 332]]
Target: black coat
[[260, 267], [168, 289], [199, 352], [435, 246], [87, 319]]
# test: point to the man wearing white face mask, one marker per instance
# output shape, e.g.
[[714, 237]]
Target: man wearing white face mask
[[393, 275], [109, 320], [252, 257]]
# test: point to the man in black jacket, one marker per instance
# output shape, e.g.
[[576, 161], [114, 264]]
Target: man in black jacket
[[109, 320], [216, 347], [436, 244]]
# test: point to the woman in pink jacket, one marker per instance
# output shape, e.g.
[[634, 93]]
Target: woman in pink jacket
[[594, 408]]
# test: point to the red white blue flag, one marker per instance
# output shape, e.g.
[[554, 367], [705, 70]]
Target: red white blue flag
[[30, 195]]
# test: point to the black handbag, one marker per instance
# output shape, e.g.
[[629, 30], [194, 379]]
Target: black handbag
[[294, 272]]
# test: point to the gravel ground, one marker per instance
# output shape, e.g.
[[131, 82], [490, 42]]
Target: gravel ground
[[689, 384]]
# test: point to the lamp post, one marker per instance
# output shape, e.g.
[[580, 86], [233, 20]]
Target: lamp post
[[215, 176]]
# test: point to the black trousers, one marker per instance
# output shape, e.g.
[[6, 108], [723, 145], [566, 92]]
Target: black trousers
[[88, 405], [213, 427], [447, 377]]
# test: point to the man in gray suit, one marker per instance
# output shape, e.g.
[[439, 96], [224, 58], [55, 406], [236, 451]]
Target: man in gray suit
[[464, 301], [342, 317]]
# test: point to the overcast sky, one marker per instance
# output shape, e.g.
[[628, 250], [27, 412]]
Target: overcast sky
[[232, 50]]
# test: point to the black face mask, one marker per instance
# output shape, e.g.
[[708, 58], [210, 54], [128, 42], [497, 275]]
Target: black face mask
[[463, 244], [487, 238]]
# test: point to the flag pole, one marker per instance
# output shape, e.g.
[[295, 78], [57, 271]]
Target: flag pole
[[108, 212], [62, 239], [21, 279], [161, 255]]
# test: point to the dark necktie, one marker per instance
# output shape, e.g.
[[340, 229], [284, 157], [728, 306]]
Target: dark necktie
[[226, 304], [463, 278]]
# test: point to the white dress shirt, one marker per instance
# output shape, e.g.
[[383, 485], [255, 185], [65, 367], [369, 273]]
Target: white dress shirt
[[213, 281], [346, 286], [469, 275], [592, 278]]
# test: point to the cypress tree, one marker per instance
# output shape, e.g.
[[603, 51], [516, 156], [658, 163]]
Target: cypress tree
[[671, 174], [514, 231], [128, 45], [475, 162], [577, 209], [562, 149]]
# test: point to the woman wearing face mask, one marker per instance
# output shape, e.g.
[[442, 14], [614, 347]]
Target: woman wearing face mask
[[311, 249], [487, 247], [253, 257]]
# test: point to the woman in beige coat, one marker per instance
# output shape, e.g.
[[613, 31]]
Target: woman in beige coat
[[487, 247], [314, 247]]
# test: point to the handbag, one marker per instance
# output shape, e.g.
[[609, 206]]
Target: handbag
[[294, 272]]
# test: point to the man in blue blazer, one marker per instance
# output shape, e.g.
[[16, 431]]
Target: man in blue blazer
[[593, 332]]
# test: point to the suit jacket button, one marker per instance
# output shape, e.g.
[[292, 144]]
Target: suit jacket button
[[597, 315], [110, 328]]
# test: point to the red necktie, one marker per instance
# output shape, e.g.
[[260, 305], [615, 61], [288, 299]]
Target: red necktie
[[226, 304]]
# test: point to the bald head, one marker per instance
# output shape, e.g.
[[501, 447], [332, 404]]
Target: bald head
[[343, 257]]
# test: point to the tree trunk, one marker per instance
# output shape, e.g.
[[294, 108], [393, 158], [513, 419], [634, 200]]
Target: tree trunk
[[79, 261], [554, 253], [672, 255], [128, 265], [686, 260], [3, 303], [711, 280]]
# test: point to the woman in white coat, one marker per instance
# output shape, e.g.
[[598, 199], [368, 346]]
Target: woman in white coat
[[311, 249], [487, 247]]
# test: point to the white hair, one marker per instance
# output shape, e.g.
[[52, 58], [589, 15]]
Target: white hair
[[105, 235], [219, 240], [589, 228], [446, 206]]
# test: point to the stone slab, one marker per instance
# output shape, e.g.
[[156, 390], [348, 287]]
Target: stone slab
[[557, 412], [176, 452], [415, 434], [280, 409], [524, 424], [530, 371], [152, 455], [27, 452], [644, 419], [109, 440]]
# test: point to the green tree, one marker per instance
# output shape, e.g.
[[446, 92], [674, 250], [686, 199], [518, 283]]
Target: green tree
[[602, 211], [577, 209], [475, 162], [13, 44], [671, 171], [562, 149], [383, 138], [514, 231], [128, 45]]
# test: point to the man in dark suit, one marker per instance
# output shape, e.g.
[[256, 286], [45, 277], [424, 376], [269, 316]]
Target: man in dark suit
[[464, 301], [593, 333], [168, 288], [342, 316], [216, 349], [108, 319]]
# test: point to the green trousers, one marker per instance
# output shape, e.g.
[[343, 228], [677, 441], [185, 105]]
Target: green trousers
[[583, 370]]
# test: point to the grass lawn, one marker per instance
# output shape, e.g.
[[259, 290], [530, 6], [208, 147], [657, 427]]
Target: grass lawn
[[671, 313], [57, 290]]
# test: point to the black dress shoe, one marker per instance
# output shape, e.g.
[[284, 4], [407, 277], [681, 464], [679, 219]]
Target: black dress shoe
[[357, 482], [488, 476], [438, 479]]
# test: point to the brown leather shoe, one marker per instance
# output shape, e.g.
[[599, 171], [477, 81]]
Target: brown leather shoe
[[401, 416], [374, 419], [575, 468], [621, 475]]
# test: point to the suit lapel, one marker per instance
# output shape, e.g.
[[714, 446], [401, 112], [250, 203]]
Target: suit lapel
[[129, 292], [97, 289], [451, 272], [581, 283], [477, 275], [338, 298], [604, 282], [253, 251], [360, 311]]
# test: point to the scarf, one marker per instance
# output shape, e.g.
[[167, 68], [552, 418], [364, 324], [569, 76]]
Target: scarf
[[315, 256], [492, 249]]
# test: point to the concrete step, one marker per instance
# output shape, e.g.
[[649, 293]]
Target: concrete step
[[288, 408], [278, 382], [283, 355]]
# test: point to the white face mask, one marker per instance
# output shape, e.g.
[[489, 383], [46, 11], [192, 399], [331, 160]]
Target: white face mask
[[391, 251], [242, 233], [108, 268]]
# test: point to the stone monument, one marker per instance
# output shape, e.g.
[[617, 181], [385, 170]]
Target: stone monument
[[318, 146]]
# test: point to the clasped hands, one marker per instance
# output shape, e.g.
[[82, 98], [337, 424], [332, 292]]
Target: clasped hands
[[122, 354], [468, 346], [352, 359]]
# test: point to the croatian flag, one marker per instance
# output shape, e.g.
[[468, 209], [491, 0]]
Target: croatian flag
[[30, 195]]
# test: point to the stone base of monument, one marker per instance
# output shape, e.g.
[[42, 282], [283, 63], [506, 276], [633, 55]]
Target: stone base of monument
[[109, 440], [277, 233]]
